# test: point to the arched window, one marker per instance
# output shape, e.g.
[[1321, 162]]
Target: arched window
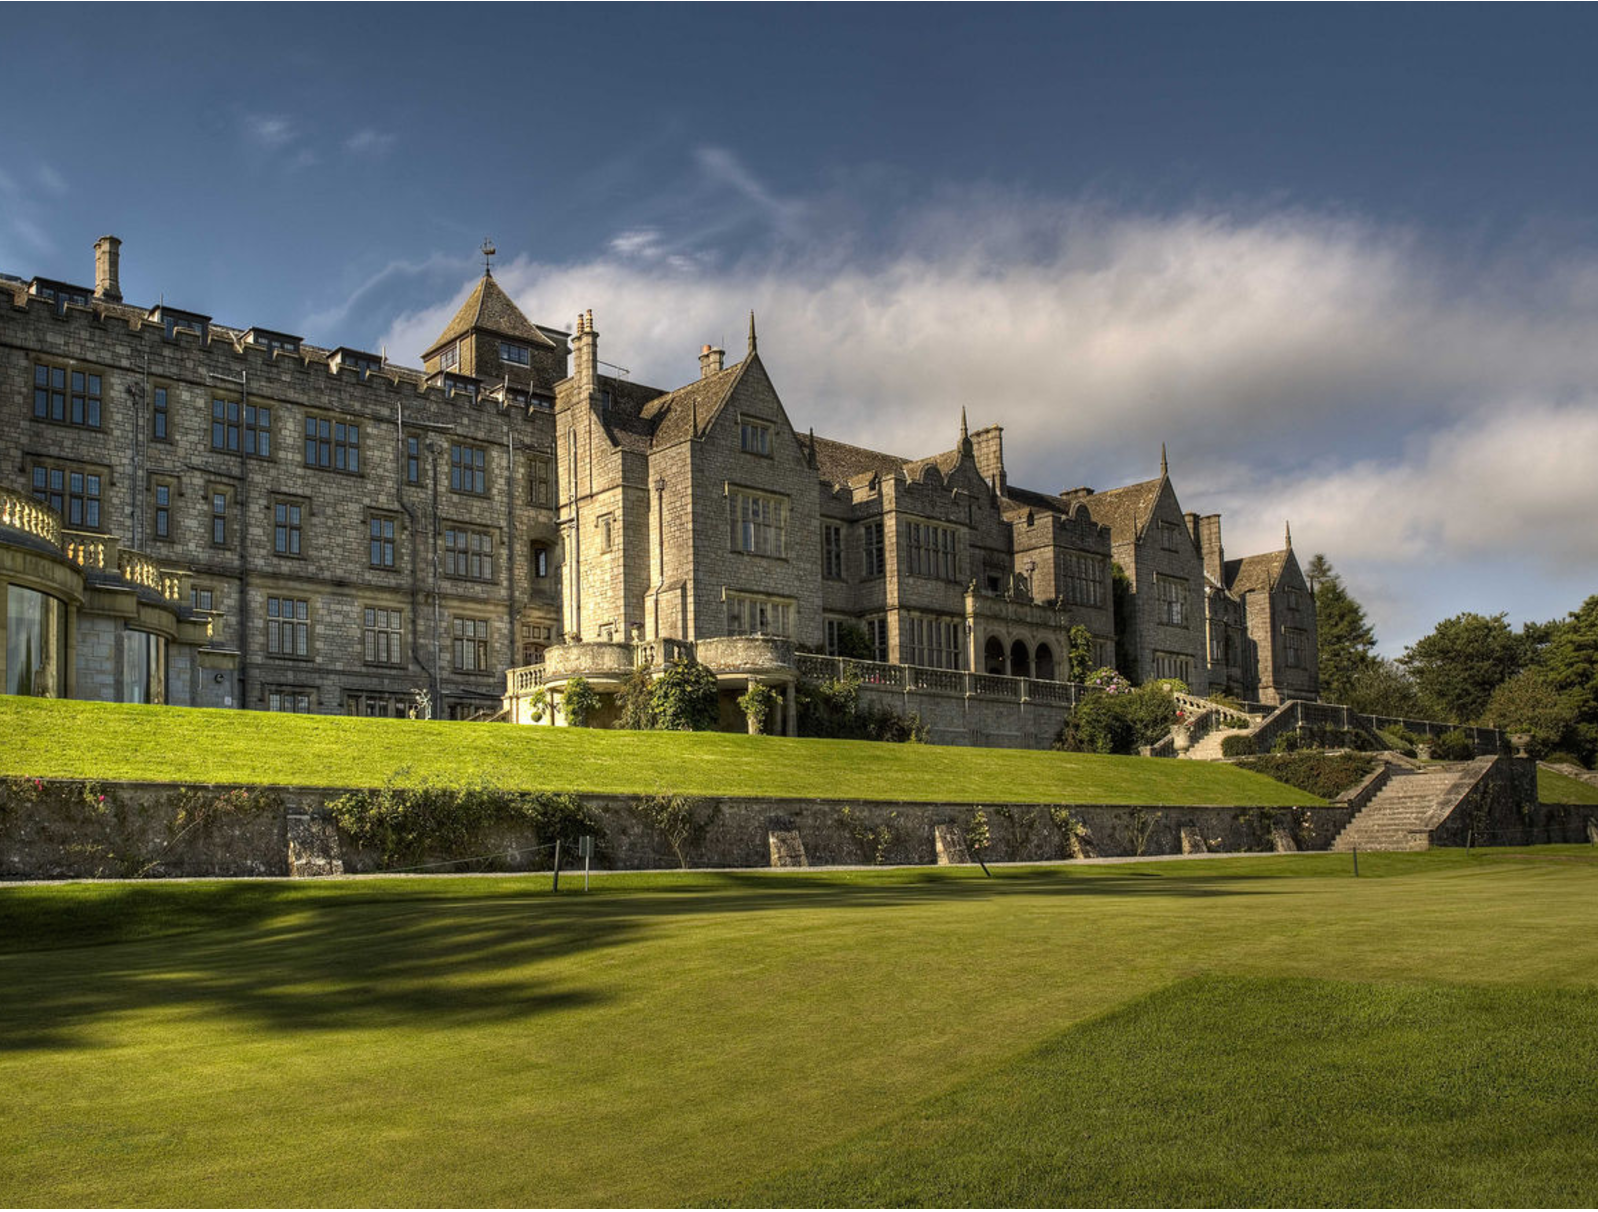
[[1044, 663], [993, 656], [1020, 660]]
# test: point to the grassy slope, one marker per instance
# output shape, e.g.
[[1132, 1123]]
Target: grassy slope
[[168, 743], [1554, 788], [684, 1039]]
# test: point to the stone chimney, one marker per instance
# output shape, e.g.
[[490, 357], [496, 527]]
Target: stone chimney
[[1192, 520], [585, 354], [1209, 543], [107, 266], [710, 361], [987, 445]]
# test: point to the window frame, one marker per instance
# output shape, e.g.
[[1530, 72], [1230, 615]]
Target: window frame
[[382, 540], [297, 623], [331, 444], [765, 535], [466, 460], [288, 526], [72, 490]]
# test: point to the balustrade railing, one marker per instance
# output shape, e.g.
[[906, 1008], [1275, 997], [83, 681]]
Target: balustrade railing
[[27, 515]]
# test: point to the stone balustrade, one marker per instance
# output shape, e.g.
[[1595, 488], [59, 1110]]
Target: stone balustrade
[[25, 514], [90, 551]]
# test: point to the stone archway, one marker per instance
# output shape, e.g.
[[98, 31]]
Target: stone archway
[[993, 656], [1043, 663], [1020, 660]]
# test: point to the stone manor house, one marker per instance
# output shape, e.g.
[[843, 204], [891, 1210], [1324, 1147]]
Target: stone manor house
[[200, 514]]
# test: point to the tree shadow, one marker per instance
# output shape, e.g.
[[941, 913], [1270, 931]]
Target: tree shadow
[[295, 957]]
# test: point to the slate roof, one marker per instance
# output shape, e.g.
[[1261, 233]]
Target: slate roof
[[1255, 571], [1047, 502], [1125, 510], [488, 307], [841, 462], [675, 413]]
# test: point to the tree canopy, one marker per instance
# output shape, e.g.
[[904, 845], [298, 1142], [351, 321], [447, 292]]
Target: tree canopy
[[1346, 642], [1458, 666]]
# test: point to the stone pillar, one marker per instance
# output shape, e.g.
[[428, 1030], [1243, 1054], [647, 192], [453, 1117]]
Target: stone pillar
[[790, 711]]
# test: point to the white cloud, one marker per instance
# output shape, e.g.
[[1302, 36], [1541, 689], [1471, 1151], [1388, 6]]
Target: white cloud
[[270, 130], [1405, 411], [370, 142]]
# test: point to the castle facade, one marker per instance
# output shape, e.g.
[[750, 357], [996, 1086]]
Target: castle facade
[[281, 526]]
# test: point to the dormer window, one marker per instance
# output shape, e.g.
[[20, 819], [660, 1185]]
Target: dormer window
[[363, 363], [450, 358], [460, 385], [273, 342], [174, 321], [519, 355], [60, 293]]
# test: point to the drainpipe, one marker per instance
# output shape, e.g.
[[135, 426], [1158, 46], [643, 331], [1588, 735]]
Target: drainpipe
[[510, 530], [410, 520]]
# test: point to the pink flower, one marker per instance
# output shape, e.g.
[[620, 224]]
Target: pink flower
[[101, 799]]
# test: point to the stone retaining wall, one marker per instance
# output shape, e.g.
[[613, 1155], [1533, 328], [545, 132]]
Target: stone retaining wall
[[52, 830]]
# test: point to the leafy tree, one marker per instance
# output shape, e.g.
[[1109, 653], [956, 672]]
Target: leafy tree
[[1530, 702], [1458, 666], [854, 643], [1081, 653], [1118, 722], [757, 703], [1345, 639], [1382, 687], [686, 697], [636, 701], [579, 701], [1121, 600]]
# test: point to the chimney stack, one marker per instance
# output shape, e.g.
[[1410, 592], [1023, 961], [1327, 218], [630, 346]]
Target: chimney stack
[[1209, 533], [585, 354], [710, 361], [107, 265], [987, 445]]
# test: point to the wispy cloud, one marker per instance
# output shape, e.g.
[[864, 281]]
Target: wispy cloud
[[370, 142], [269, 130], [51, 181]]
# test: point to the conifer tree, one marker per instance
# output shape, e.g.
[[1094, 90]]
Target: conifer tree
[[1345, 639]]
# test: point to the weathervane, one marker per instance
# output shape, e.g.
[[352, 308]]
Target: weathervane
[[488, 251]]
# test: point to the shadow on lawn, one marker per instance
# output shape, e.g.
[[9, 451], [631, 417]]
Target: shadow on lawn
[[298, 957]]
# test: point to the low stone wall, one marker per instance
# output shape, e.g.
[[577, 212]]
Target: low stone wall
[[1501, 809], [955, 718], [56, 830]]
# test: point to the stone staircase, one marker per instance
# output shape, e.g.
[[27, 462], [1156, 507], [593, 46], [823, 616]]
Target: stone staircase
[[1209, 748], [1403, 812]]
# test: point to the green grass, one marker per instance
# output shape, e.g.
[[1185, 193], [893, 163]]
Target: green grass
[[1555, 788], [1260, 1030], [111, 741]]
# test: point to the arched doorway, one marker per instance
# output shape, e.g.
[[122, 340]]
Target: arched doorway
[[1044, 663], [993, 656], [1020, 660]]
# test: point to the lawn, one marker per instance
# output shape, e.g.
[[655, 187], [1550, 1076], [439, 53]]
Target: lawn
[[114, 741], [1555, 788], [1258, 1030]]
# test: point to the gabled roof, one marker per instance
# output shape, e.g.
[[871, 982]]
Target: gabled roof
[[679, 415], [489, 308], [1125, 510], [1256, 571], [1039, 500]]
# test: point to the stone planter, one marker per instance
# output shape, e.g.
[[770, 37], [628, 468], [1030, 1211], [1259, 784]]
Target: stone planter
[[1520, 740], [1423, 752], [1181, 738]]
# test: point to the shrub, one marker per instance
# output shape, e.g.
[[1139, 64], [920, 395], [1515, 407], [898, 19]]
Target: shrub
[[1239, 746], [685, 697], [757, 704], [1020, 824], [978, 837], [1453, 746], [1322, 774], [873, 842], [1117, 721], [681, 820], [404, 824], [831, 709], [854, 644], [578, 702], [1562, 758], [635, 703], [1081, 658]]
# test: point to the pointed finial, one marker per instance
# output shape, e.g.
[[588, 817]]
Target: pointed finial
[[1165, 468], [751, 332], [965, 430], [1289, 527], [488, 250]]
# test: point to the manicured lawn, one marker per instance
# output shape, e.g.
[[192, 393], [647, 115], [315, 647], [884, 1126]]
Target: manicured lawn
[[1554, 788], [110, 741], [1260, 1030]]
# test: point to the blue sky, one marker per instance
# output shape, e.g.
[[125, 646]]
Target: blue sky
[[1343, 260]]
